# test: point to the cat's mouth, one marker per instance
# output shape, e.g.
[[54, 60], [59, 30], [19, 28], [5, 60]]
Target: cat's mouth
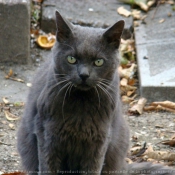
[[83, 86]]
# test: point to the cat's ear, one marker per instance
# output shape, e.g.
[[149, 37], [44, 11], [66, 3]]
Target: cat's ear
[[113, 34], [63, 28]]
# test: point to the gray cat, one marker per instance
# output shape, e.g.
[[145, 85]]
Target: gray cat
[[72, 121]]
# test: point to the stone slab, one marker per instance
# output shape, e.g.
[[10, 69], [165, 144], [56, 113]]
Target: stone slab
[[155, 43], [14, 31], [101, 13]]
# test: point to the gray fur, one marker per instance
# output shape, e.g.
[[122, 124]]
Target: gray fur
[[72, 119]]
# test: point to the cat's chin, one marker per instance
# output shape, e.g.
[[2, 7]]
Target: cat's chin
[[83, 87]]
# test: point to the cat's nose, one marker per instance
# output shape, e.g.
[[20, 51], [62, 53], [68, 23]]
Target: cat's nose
[[84, 73], [84, 76]]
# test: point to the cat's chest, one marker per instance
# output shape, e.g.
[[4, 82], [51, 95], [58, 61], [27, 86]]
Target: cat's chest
[[89, 129]]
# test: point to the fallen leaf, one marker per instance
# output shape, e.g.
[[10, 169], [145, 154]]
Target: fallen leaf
[[123, 11], [149, 108], [138, 108], [10, 116], [141, 3], [134, 138], [169, 142], [126, 99], [161, 21], [125, 89], [171, 2], [127, 73], [5, 100], [18, 104], [12, 126], [161, 155], [15, 79], [136, 23], [150, 3], [123, 82], [166, 104], [159, 126], [10, 73], [129, 161], [129, 93], [46, 41], [136, 14], [135, 150], [14, 173]]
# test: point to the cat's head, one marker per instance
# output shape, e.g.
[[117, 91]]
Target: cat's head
[[84, 56]]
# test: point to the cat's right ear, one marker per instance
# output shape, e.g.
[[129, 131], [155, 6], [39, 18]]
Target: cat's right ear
[[63, 28]]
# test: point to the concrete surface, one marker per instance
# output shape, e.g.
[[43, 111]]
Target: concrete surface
[[101, 13], [15, 31], [16, 91], [155, 43]]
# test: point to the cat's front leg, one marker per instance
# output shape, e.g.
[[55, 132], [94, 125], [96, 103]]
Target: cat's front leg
[[94, 160], [52, 151], [44, 147]]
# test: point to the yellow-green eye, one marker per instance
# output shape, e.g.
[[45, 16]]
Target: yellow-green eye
[[71, 59], [99, 62]]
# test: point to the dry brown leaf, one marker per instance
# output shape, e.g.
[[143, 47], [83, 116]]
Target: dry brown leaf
[[134, 138], [129, 161], [161, 155], [132, 82], [136, 23], [166, 104], [161, 21], [14, 173], [171, 2], [142, 3], [123, 82], [10, 116], [136, 14], [169, 142], [46, 41], [126, 99], [125, 89], [5, 100], [122, 11], [135, 150], [161, 108], [138, 108], [127, 73], [143, 6], [129, 93], [12, 126], [15, 79], [149, 108], [10, 73], [150, 3]]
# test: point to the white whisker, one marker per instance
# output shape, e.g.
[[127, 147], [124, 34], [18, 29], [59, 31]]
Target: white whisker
[[106, 92], [98, 97], [69, 85]]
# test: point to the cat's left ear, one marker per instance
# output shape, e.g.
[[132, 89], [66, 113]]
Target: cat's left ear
[[113, 34]]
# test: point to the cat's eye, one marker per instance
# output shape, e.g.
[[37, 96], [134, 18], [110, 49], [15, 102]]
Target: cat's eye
[[71, 60], [99, 62]]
